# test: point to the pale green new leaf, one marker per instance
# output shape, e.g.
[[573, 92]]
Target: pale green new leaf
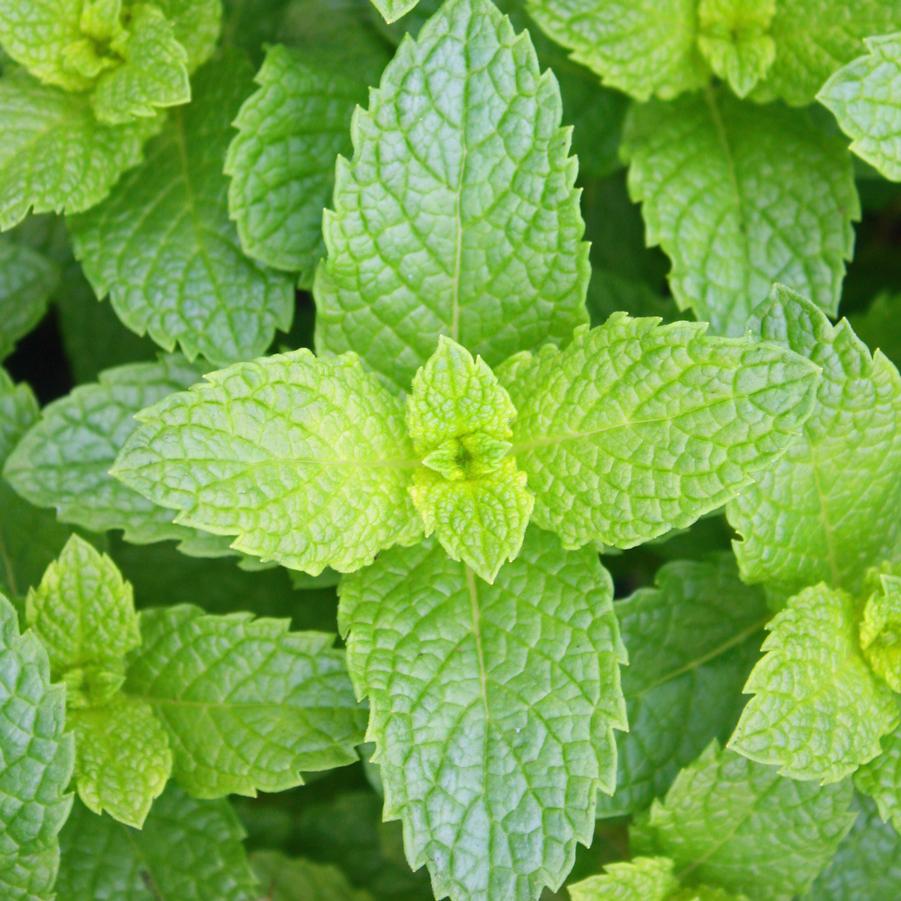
[[247, 704], [153, 72], [36, 760], [739, 825], [55, 155], [641, 879], [392, 10], [867, 864], [638, 428], [188, 850], [83, 612], [468, 491], [740, 196], [492, 708], [305, 460], [818, 710], [123, 759], [27, 279], [196, 24], [864, 97], [63, 461], [282, 161], [284, 879], [642, 47], [814, 38], [733, 36], [880, 631], [162, 245], [827, 511], [458, 213], [692, 640], [18, 411], [881, 779]]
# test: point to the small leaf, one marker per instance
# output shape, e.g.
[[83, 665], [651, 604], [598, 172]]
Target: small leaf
[[27, 278], [880, 631], [738, 825], [827, 510], [317, 443], [492, 708], [881, 779], [458, 213], [247, 704], [188, 850], [641, 879], [392, 10], [163, 248], [739, 196], [196, 24], [818, 711], [123, 759], [636, 428]]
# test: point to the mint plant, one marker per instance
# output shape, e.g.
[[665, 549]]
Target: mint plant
[[462, 487]]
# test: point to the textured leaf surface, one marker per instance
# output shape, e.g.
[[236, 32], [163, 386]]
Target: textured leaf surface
[[163, 248], [457, 214], [740, 196], [55, 155], [320, 444], [284, 879], [247, 704], [636, 428], [863, 95], [642, 47], [818, 710], [123, 759], [814, 38], [738, 825], [27, 279], [36, 761], [692, 640], [64, 460], [881, 779], [197, 24], [828, 509], [282, 161], [188, 850], [492, 706], [468, 492], [733, 37], [867, 863], [641, 879], [880, 631]]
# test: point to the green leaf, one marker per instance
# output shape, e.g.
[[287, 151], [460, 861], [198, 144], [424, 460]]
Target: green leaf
[[879, 325], [814, 38], [153, 73], [36, 760], [162, 246], [867, 863], [492, 706], [123, 759], [863, 96], [692, 640], [738, 825], [188, 850], [880, 631], [392, 10], [290, 438], [468, 491], [827, 510], [27, 279], [458, 213], [18, 410], [642, 47], [196, 24], [733, 37], [83, 612], [881, 779], [636, 428], [247, 704], [740, 196], [284, 879], [63, 461], [282, 161], [818, 711], [641, 879], [55, 155]]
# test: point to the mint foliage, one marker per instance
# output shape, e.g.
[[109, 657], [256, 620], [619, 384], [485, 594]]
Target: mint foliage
[[881, 780], [478, 233], [27, 278]]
